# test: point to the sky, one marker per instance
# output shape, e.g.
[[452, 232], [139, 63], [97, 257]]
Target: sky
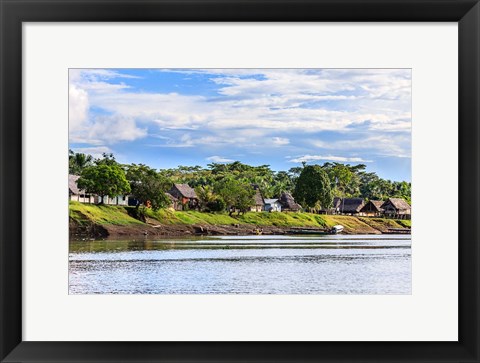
[[280, 117]]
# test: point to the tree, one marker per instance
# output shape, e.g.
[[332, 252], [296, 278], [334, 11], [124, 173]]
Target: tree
[[236, 194], [108, 159], [147, 185], [344, 179], [104, 180], [78, 161], [313, 187], [208, 200]]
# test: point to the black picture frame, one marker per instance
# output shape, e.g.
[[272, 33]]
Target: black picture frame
[[14, 12]]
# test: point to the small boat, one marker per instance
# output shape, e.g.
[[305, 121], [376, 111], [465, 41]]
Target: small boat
[[336, 229]]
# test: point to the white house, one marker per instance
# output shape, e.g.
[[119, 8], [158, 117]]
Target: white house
[[272, 205], [79, 195]]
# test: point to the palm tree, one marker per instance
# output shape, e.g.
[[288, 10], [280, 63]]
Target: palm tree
[[78, 161]]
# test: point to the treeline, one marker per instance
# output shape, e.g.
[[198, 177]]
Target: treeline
[[223, 186]]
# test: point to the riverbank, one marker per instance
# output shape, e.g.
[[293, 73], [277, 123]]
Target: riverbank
[[94, 221]]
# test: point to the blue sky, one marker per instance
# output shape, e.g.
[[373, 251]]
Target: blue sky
[[280, 117]]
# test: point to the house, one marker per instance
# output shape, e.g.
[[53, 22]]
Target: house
[[258, 200], [272, 205], [372, 209], [334, 209], [288, 203], [348, 205], [174, 202], [185, 195], [118, 200], [396, 208], [79, 195]]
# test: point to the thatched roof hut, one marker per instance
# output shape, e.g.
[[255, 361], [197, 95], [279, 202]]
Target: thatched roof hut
[[171, 197], [396, 206], [288, 203], [258, 198], [183, 190], [72, 185], [336, 203], [373, 206], [350, 205]]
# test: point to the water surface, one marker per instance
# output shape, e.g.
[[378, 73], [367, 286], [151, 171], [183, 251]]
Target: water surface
[[343, 264]]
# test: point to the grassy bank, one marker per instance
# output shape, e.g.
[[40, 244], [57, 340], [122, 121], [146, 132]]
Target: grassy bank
[[113, 218], [102, 215], [252, 218]]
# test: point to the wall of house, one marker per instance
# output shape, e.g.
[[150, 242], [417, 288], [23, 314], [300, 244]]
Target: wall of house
[[274, 207], [119, 200], [370, 213], [82, 198]]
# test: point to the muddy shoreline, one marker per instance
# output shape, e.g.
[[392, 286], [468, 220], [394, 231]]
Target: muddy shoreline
[[175, 230]]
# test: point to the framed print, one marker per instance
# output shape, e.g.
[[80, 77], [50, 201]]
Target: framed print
[[246, 181]]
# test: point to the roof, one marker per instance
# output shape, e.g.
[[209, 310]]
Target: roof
[[351, 205], [258, 198], [287, 201], [171, 197], [271, 201], [186, 190], [336, 202], [373, 205], [72, 184], [398, 203]]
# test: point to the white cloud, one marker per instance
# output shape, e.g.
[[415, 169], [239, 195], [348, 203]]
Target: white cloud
[[116, 128], [251, 109], [280, 141], [391, 144], [307, 158], [219, 159], [77, 107], [85, 86], [94, 74]]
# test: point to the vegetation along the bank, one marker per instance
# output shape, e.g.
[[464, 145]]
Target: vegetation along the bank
[[102, 220], [223, 194]]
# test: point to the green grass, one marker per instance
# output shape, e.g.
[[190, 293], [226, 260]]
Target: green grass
[[384, 224], [407, 223], [106, 214], [255, 218], [165, 216], [283, 219], [120, 215], [350, 223]]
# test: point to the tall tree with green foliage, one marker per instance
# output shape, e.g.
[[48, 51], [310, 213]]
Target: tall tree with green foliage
[[313, 188], [209, 201], [345, 179], [104, 180], [148, 185], [78, 161], [236, 194], [108, 159]]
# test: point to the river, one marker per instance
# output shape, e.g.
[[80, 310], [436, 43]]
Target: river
[[341, 264]]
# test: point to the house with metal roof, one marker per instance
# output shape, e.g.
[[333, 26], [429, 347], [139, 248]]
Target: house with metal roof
[[272, 205]]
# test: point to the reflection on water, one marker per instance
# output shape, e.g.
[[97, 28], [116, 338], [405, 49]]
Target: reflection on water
[[243, 265]]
